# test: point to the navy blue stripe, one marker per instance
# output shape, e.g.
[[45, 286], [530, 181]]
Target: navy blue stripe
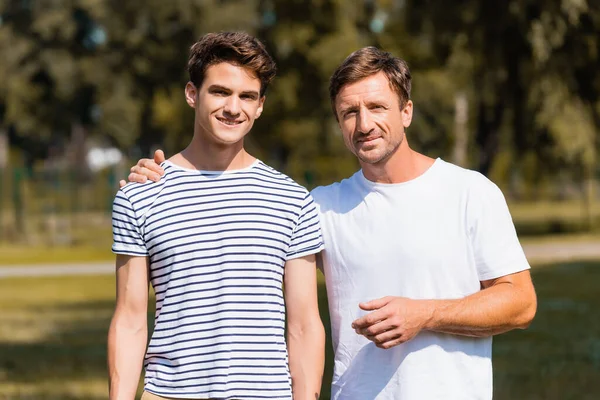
[[232, 382], [232, 397], [305, 250], [124, 243], [210, 377], [154, 271], [315, 224], [200, 339], [136, 239], [218, 239], [218, 233], [166, 204], [218, 184], [219, 304], [171, 295], [124, 205], [278, 178], [214, 368], [187, 228], [210, 353], [129, 217], [230, 246], [224, 295], [124, 228], [298, 244], [219, 272], [136, 188], [128, 252], [218, 328], [242, 214], [218, 312], [206, 210], [149, 354], [225, 278], [178, 197], [219, 320]]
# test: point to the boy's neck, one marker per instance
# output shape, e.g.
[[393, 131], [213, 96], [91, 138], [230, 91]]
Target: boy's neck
[[204, 157]]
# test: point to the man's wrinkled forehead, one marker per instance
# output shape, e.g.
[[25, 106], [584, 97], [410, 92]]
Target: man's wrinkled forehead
[[366, 89]]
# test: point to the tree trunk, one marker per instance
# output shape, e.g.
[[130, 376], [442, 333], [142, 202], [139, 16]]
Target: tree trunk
[[461, 134], [488, 134]]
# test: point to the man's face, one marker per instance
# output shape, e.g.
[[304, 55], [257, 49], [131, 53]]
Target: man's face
[[371, 119], [226, 104]]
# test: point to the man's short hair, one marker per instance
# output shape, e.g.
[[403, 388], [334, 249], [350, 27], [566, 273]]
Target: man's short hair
[[237, 48], [369, 61]]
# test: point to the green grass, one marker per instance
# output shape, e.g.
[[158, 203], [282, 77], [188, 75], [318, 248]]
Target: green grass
[[53, 338], [552, 217]]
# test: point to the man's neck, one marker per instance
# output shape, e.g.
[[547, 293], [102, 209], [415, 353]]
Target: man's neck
[[402, 166], [212, 157]]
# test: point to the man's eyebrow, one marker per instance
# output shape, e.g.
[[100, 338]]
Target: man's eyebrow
[[378, 102], [348, 108]]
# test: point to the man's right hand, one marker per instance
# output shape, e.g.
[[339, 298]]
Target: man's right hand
[[146, 169]]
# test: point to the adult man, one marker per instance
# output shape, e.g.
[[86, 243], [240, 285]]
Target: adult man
[[421, 258], [217, 237]]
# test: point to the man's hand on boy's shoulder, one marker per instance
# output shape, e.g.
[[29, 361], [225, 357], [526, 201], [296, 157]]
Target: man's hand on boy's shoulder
[[145, 169]]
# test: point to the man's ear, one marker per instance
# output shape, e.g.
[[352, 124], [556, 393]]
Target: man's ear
[[190, 94], [407, 114], [261, 104]]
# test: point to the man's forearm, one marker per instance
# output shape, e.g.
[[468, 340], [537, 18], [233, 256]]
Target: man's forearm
[[497, 309], [126, 348], [306, 350]]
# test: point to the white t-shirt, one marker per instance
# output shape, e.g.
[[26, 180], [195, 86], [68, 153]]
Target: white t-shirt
[[434, 237]]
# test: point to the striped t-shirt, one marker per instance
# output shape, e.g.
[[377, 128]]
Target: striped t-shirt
[[217, 244]]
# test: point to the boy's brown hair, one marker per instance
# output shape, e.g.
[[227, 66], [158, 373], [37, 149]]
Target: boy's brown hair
[[238, 48]]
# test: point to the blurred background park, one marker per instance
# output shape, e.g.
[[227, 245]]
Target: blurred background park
[[510, 88]]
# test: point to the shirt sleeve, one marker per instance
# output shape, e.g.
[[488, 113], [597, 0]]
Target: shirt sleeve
[[496, 248], [127, 235], [306, 238]]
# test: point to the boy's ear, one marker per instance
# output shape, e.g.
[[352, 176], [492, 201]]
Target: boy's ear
[[191, 92]]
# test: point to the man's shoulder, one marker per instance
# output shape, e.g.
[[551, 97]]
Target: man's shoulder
[[332, 193], [465, 178]]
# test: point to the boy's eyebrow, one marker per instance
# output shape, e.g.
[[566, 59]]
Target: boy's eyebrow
[[219, 87], [253, 93]]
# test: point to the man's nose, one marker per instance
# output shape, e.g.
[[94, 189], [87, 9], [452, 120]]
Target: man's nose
[[364, 122]]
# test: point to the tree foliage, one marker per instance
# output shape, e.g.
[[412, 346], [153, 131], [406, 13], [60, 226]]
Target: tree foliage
[[115, 70]]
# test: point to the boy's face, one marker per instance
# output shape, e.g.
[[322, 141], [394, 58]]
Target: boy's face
[[226, 104]]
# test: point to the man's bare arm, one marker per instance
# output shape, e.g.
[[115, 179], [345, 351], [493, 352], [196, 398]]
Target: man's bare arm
[[128, 332], [305, 333], [503, 304]]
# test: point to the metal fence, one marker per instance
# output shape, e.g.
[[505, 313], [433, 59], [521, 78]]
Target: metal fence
[[55, 207]]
